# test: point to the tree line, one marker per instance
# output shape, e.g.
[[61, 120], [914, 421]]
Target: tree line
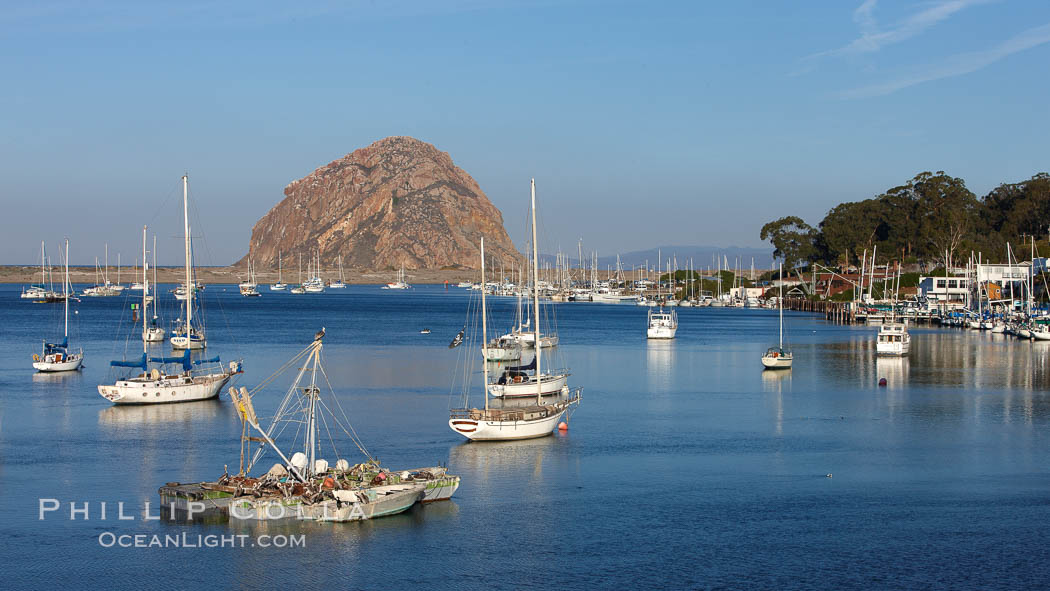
[[933, 219]]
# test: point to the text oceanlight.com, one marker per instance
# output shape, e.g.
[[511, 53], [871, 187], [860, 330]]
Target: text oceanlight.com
[[188, 540]]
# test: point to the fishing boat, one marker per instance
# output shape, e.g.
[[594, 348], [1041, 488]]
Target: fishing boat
[[778, 357], [56, 357], [250, 288], [164, 380], [893, 339], [400, 283], [662, 325], [341, 284], [510, 420], [280, 285], [303, 485], [153, 333], [186, 334]]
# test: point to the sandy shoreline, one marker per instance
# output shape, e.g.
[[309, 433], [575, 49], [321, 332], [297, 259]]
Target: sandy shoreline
[[211, 275]]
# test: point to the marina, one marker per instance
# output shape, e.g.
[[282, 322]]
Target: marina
[[959, 421], [772, 313]]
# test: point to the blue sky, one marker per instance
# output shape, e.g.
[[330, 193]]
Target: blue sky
[[643, 123]]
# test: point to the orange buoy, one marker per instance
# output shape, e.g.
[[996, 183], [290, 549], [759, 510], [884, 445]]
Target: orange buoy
[[563, 426]]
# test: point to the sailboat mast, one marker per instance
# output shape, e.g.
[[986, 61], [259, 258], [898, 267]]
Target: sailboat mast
[[156, 292], [145, 292], [189, 276], [484, 330], [43, 276], [65, 292], [536, 297], [781, 302]]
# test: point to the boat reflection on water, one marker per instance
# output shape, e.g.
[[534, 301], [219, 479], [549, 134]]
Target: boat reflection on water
[[201, 412], [775, 383], [894, 369], [491, 463], [659, 364]]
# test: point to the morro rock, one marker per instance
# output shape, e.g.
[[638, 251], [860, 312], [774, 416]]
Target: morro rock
[[397, 202]]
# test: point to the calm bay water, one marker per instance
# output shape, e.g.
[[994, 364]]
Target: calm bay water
[[685, 466]]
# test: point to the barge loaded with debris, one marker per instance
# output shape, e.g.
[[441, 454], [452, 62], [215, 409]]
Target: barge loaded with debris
[[304, 486]]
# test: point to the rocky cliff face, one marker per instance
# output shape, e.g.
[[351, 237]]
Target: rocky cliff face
[[397, 202]]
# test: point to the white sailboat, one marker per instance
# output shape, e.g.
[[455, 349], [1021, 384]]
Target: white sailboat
[[299, 289], [41, 293], [153, 333], [186, 335], [199, 379], [55, 357], [510, 422], [341, 284], [280, 285], [315, 284], [778, 357], [400, 283], [250, 288]]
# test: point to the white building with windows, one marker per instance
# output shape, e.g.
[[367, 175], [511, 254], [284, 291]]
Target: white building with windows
[[944, 292]]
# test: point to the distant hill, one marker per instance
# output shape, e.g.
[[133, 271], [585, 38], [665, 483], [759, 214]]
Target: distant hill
[[398, 202], [703, 257]]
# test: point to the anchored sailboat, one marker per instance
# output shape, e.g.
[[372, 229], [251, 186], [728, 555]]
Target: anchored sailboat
[[280, 285], [56, 357], [400, 283], [199, 379], [186, 335], [153, 333], [778, 357], [341, 284], [250, 288], [514, 421]]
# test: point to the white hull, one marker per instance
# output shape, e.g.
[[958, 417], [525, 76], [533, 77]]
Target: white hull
[[72, 363], [395, 286], [165, 390], [181, 342], [613, 298], [494, 430], [892, 349], [153, 335], [1040, 335], [549, 386], [502, 353], [279, 287], [780, 362], [661, 332]]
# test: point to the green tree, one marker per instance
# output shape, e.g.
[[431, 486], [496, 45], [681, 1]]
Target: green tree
[[793, 240]]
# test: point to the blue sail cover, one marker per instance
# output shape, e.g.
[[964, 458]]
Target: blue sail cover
[[56, 347], [141, 363], [184, 359]]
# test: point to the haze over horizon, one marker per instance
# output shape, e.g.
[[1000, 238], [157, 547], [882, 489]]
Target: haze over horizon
[[672, 123]]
